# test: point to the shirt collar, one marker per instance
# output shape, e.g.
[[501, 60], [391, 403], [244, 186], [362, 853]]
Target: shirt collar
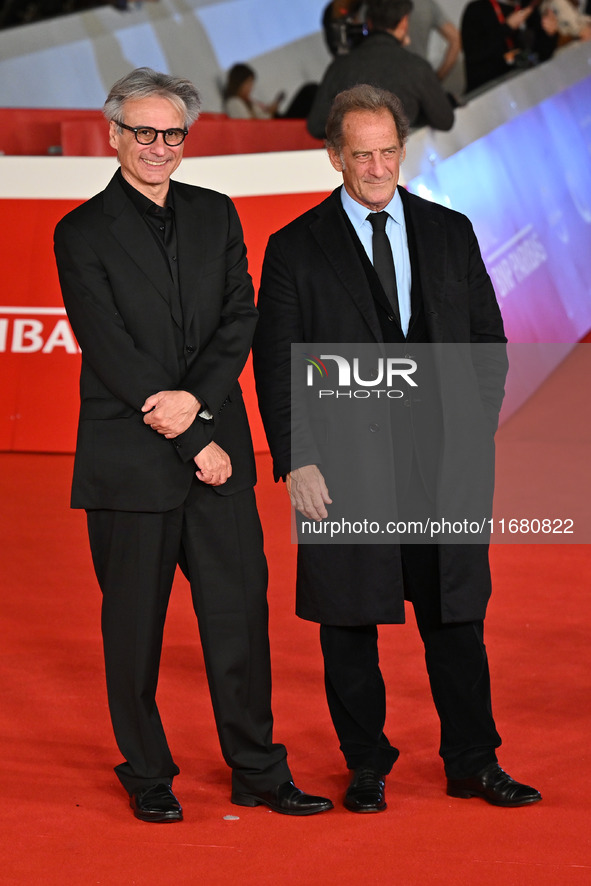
[[142, 203], [358, 213]]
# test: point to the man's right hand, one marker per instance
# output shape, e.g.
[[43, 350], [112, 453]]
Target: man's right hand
[[308, 493], [214, 465]]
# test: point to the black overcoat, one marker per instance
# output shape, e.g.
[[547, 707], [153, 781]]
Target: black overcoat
[[314, 289]]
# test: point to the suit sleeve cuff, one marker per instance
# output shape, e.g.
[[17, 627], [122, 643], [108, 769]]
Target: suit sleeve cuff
[[195, 438]]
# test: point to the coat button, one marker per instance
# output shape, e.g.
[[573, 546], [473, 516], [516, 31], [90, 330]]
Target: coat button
[[374, 427], [189, 349]]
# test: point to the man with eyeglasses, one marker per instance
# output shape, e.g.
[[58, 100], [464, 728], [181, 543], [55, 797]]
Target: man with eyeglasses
[[155, 282]]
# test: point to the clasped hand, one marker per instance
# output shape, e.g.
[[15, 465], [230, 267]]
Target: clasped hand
[[308, 492], [213, 464], [171, 412]]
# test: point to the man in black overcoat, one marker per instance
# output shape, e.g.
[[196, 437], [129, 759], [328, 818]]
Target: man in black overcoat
[[155, 283], [319, 286]]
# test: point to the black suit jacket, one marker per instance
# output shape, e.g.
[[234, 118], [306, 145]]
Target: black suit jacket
[[314, 289], [117, 290]]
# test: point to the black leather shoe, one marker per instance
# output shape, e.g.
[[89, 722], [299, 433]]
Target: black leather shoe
[[156, 803], [366, 792], [285, 798], [494, 786]]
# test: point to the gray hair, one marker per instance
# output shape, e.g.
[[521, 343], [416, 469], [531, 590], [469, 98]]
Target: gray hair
[[363, 97], [143, 83]]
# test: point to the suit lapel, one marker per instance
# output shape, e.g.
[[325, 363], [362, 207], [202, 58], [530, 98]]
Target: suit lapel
[[132, 233], [192, 237], [431, 251], [331, 232]]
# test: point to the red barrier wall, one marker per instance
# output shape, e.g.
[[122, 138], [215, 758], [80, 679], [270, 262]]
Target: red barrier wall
[[84, 134], [34, 131]]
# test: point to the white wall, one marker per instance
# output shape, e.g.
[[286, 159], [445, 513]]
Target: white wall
[[72, 61]]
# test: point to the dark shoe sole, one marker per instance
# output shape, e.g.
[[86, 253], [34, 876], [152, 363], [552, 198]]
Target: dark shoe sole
[[159, 818], [250, 800], [365, 809], [508, 804]]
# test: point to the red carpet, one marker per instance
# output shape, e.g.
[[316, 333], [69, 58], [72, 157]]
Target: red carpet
[[65, 819]]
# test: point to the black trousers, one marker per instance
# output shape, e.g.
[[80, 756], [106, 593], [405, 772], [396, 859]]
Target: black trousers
[[457, 666], [217, 540]]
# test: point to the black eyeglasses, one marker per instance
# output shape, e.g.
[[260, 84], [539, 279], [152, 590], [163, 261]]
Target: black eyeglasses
[[147, 135]]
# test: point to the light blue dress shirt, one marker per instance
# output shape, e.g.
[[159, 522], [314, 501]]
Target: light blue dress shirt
[[396, 232]]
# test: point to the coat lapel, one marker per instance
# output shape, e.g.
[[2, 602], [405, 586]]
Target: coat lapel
[[330, 231], [132, 233], [431, 252]]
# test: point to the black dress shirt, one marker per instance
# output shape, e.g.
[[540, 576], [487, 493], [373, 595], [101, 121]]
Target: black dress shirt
[[161, 223]]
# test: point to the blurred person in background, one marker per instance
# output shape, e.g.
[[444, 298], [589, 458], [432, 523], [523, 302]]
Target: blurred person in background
[[428, 16], [238, 100], [499, 37], [239, 104], [381, 60], [573, 23]]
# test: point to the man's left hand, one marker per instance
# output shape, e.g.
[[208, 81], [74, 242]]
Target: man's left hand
[[171, 412], [213, 465]]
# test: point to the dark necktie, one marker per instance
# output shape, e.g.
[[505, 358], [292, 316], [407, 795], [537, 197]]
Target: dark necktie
[[165, 222], [382, 258]]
